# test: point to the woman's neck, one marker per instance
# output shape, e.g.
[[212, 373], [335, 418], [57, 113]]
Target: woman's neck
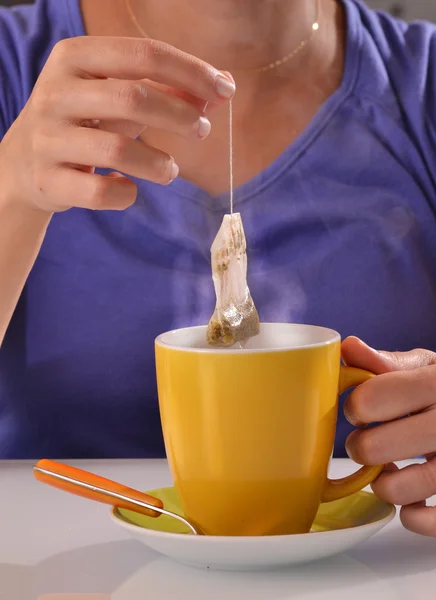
[[230, 34], [275, 106]]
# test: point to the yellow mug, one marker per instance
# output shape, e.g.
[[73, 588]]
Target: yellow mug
[[249, 432]]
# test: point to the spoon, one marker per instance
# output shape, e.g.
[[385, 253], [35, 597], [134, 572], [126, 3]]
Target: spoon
[[86, 484]]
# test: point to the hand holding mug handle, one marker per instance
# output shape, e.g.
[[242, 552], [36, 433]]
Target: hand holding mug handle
[[340, 488]]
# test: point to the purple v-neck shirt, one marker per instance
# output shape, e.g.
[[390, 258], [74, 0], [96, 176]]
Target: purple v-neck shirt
[[341, 232]]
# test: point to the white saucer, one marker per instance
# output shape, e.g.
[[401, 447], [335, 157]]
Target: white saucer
[[338, 527]]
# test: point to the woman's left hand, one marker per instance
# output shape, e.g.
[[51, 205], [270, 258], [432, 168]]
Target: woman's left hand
[[405, 387]]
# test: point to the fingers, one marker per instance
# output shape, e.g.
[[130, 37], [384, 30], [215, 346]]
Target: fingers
[[357, 354], [134, 59], [70, 187], [122, 127], [397, 440], [409, 485], [133, 101], [405, 386], [102, 149], [419, 518], [392, 396]]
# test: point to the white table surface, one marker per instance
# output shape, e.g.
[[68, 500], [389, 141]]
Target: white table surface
[[54, 546]]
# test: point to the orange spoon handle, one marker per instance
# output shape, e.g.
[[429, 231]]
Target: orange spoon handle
[[85, 484]]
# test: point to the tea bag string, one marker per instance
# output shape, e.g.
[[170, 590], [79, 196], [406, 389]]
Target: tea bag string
[[231, 155], [239, 344]]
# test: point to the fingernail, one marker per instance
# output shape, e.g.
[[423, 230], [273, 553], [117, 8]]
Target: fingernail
[[224, 86], [204, 127], [229, 75], [348, 447], [391, 468], [362, 343], [357, 339], [350, 418], [367, 346], [174, 171]]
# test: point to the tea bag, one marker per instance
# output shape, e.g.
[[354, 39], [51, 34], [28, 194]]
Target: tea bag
[[235, 318]]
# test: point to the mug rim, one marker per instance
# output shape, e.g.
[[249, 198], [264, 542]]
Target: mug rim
[[332, 339]]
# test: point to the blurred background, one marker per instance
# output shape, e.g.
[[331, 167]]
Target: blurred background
[[404, 9]]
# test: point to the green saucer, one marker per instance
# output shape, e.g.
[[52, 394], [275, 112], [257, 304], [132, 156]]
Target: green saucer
[[338, 527], [354, 511]]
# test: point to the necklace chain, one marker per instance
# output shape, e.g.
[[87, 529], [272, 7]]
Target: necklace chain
[[272, 65]]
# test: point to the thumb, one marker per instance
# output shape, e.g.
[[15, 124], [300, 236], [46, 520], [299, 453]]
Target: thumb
[[355, 353]]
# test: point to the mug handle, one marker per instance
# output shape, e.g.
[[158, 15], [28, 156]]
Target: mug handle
[[340, 488]]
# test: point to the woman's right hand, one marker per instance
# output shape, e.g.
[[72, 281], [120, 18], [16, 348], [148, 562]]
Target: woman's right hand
[[93, 97]]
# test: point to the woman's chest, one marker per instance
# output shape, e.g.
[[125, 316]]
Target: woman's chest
[[261, 130], [359, 258]]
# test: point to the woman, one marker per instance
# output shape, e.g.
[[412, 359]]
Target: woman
[[335, 142]]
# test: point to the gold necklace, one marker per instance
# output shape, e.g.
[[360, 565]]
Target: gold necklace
[[273, 65]]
